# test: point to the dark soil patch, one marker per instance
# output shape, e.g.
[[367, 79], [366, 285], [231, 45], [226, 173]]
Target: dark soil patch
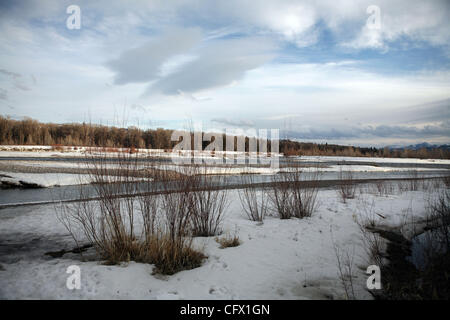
[[60, 253], [400, 278]]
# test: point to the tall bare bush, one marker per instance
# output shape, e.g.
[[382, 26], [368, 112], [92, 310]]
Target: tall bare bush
[[253, 201], [208, 204], [294, 193], [347, 188], [126, 206]]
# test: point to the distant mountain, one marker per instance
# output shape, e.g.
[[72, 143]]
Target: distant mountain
[[419, 146]]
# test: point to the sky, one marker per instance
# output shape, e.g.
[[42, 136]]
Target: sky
[[368, 73]]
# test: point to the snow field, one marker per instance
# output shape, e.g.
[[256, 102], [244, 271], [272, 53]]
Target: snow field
[[280, 259]]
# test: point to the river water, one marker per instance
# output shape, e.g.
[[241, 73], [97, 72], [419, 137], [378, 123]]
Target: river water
[[24, 196]]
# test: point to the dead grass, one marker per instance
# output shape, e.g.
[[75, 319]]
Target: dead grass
[[228, 241], [169, 256]]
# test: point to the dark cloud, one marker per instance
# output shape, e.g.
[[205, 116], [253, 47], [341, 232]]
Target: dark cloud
[[416, 122], [143, 64], [17, 81], [434, 111], [11, 74], [219, 64], [21, 86], [366, 132], [3, 94]]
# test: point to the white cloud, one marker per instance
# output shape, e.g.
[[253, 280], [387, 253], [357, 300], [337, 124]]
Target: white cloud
[[299, 21]]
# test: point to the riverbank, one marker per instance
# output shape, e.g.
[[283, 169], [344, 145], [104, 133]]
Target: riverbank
[[279, 259]]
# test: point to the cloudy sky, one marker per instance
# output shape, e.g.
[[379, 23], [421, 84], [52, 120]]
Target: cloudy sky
[[318, 70]]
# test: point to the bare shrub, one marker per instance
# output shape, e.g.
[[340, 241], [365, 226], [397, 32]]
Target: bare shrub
[[367, 215], [208, 205], [345, 265], [389, 189], [253, 201], [413, 180], [304, 199], [401, 187], [373, 245], [372, 242], [347, 188], [437, 183], [446, 181], [170, 247], [426, 185], [280, 196], [294, 193], [148, 203], [382, 188], [438, 220], [176, 211], [110, 223], [426, 277], [380, 185]]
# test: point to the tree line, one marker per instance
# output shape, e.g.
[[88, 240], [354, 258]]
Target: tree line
[[32, 132]]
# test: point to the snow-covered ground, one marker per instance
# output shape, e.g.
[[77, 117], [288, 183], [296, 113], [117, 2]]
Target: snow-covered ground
[[47, 180], [280, 259], [76, 152], [270, 171], [44, 180], [370, 159]]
